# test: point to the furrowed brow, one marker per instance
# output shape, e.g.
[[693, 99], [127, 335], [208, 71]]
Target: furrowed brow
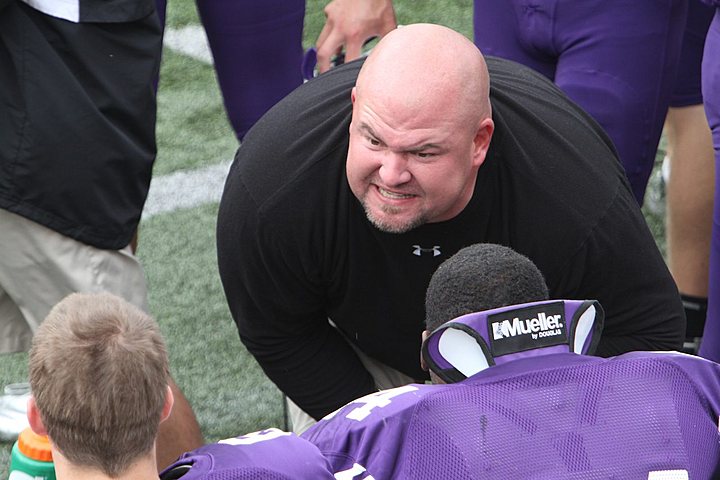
[[367, 129], [425, 146]]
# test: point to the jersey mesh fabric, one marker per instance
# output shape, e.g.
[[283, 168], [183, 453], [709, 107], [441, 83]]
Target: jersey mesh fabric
[[247, 474], [269, 454], [557, 424]]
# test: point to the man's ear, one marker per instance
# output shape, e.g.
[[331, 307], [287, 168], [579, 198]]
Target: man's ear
[[423, 365], [481, 142], [33, 415], [353, 95], [167, 406]]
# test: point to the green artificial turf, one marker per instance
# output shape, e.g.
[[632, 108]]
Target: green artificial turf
[[192, 129], [222, 381]]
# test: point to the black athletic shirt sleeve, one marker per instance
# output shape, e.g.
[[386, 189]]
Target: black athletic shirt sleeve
[[274, 230], [619, 265], [279, 311]]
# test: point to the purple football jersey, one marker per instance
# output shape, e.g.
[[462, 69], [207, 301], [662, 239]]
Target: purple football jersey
[[640, 415], [265, 455]]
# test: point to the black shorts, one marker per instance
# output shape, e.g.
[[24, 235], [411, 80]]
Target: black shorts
[[687, 84]]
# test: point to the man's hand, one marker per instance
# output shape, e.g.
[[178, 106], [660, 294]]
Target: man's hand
[[350, 23]]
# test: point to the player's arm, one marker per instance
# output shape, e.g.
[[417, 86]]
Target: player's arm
[[349, 24], [620, 266]]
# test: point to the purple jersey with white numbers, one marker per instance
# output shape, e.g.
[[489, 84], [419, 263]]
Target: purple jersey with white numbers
[[564, 416], [265, 455]]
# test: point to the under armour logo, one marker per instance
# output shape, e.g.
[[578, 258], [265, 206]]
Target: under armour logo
[[418, 250]]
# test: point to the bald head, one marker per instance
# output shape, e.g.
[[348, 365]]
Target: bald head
[[421, 127], [423, 67]]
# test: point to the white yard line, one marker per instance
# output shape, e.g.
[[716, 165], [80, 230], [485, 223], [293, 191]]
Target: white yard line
[[189, 188], [185, 189], [190, 40]]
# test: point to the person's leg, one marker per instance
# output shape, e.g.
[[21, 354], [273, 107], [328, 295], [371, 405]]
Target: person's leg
[[616, 59], [710, 345], [40, 267], [690, 190], [15, 333], [257, 48], [619, 61], [510, 30], [690, 185]]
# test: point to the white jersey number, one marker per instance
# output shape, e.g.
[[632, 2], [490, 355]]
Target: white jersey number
[[256, 437], [352, 473], [376, 400]]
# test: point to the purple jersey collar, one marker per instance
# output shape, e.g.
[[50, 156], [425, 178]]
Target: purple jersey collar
[[471, 343]]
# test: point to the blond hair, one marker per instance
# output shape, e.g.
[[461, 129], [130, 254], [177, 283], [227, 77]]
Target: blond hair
[[99, 375]]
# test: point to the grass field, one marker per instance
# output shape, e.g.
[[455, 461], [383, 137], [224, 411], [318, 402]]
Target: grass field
[[229, 393]]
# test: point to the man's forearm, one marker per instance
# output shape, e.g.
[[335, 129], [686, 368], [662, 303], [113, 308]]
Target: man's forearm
[[320, 372]]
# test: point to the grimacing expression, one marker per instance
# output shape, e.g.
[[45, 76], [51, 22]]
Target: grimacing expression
[[411, 164]]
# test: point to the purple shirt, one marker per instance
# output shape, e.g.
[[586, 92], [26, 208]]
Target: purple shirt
[[639, 415], [268, 454]]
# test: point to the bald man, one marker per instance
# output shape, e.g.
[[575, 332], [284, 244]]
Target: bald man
[[345, 198]]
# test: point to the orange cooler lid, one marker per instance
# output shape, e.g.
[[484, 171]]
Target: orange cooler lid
[[34, 446]]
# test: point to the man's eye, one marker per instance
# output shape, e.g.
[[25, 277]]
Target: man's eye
[[425, 154], [373, 141]]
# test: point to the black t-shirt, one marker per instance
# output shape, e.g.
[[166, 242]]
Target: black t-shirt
[[295, 247]]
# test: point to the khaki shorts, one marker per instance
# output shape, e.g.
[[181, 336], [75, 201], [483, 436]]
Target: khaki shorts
[[385, 377], [39, 267]]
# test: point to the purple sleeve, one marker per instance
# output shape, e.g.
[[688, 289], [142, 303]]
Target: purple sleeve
[[271, 454], [368, 433], [702, 373]]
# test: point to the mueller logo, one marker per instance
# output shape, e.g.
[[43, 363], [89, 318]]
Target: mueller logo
[[538, 327], [527, 328]]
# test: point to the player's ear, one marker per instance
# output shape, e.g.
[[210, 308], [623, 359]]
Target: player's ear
[[167, 406], [33, 415], [425, 335]]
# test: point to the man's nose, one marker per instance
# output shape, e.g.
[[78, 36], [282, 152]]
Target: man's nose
[[394, 169]]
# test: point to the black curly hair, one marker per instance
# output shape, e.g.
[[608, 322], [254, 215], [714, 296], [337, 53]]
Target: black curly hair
[[481, 277]]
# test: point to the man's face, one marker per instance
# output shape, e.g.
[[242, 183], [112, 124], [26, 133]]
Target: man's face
[[411, 164]]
